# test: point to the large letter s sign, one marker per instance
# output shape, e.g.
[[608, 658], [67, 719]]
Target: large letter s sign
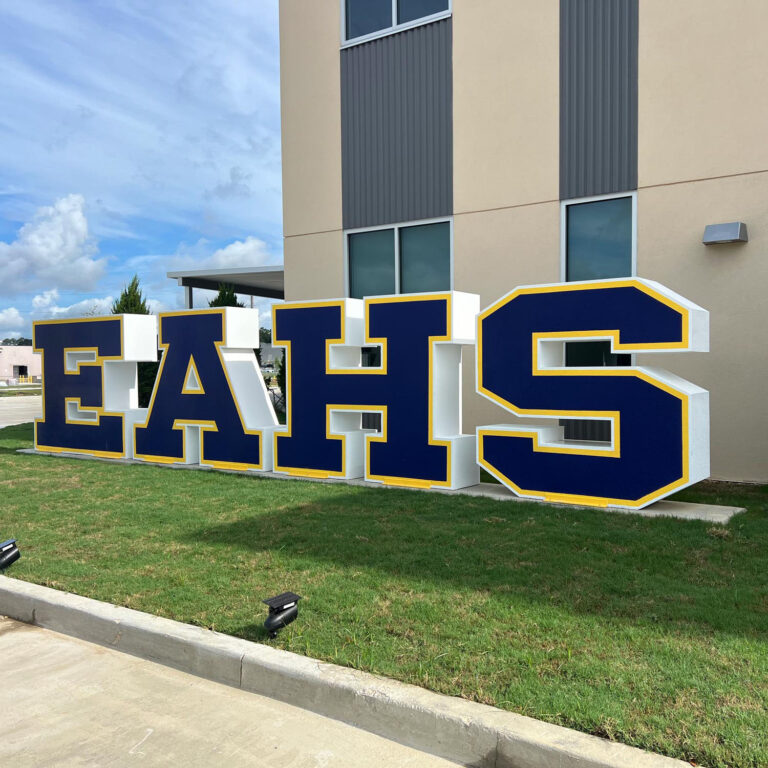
[[660, 422]]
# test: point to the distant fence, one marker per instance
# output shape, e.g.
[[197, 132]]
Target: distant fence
[[277, 398], [15, 381]]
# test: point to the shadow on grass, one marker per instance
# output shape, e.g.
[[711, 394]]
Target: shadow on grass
[[686, 574], [15, 437]]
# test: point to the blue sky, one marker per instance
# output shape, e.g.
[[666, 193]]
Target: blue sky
[[135, 137]]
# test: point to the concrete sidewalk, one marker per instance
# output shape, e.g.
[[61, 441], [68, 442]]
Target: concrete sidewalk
[[19, 410], [67, 702]]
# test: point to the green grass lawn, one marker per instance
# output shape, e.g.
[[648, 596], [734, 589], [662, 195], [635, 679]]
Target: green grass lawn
[[20, 392], [653, 632]]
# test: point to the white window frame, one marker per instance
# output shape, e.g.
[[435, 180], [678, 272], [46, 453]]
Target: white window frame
[[396, 227], [564, 227], [388, 30]]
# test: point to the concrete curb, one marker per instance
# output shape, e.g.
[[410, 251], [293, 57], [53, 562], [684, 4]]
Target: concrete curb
[[471, 734]]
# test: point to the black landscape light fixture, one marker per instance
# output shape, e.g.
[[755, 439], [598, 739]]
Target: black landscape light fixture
[[283, 609], [9, 554]]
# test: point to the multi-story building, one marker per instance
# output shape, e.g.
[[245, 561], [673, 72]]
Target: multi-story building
[[484, 144]]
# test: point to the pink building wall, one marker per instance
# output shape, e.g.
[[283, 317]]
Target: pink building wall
[[18, 356]]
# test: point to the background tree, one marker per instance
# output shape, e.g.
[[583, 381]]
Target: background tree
[[131, 302], [281, 374], [226, 297], [20, 342], [265, 337]]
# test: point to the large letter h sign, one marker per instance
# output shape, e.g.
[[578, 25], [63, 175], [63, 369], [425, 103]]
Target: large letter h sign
[[416, 389]]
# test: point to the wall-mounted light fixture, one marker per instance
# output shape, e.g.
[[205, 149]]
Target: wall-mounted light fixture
[[730, 232], [9, 554]]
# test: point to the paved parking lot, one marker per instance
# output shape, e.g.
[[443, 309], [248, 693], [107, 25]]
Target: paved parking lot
[[66, 702], [19, 410]]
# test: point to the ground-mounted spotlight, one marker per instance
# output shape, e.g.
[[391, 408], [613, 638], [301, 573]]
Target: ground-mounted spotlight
[[283, 609], [9, 554]]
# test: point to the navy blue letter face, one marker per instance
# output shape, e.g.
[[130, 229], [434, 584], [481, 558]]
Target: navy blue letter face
[[328, 390], [194, 391], [75, 418], [659, 421]]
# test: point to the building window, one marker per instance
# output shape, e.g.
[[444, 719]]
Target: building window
[[411, 10], [599, 238], [425, 258], [372, 263], [599, 242], [413, 258], [365, 19]]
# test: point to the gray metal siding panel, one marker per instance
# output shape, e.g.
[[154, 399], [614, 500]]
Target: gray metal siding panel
[[397, 127], [598, 97]]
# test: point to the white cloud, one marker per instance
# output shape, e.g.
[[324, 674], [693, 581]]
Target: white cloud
[[10, 321], [250, 252], [10, 318], [156, 306], [45, 300], [163, 111], [84, 308], [54, 247], [45, 307]]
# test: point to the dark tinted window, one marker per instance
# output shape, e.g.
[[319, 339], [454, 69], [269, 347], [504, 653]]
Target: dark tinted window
[[372, 263], [410, 10], [580, 354], [425, 258], [599, 239], [367, 16]]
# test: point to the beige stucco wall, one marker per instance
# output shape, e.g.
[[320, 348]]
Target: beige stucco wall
[[701, 115], [311, 115], [494, 252], [730, 281], [506, 103], [314, 266], [505, 155], [703, 76]]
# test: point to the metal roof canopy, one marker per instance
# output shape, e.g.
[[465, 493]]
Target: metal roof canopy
[[268, 282]]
